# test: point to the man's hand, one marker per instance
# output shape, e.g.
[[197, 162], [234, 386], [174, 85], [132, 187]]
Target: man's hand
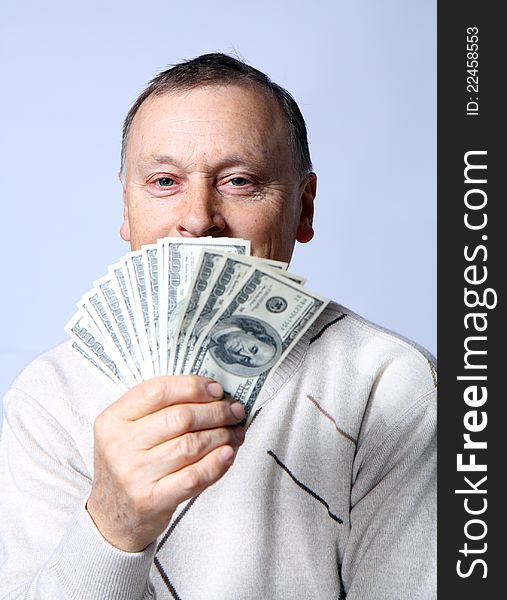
[[164, 441]]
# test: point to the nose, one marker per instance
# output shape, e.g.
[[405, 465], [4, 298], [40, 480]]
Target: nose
[[202, 211]]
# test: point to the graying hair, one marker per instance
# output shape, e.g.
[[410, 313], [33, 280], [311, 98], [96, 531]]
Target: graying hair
[[222, 69]]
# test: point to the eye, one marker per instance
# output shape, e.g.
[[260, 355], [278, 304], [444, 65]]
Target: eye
[[239, 181], [253, 349], [165, 181]]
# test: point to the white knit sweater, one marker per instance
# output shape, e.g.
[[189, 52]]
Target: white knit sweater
[[332, 494]]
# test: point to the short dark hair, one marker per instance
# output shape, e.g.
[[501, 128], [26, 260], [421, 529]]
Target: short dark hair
[[222, 69]]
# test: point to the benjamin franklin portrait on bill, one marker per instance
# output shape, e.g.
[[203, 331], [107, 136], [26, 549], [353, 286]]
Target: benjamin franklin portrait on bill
[[245, 346]]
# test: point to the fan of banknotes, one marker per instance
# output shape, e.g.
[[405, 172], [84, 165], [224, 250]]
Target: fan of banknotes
[[193, 306]]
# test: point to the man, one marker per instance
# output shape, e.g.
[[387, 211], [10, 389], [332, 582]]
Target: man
[[332, 492]]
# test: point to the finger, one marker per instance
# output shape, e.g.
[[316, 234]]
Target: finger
[[194, 479], [188, 449], [159, 392], [179, 419]]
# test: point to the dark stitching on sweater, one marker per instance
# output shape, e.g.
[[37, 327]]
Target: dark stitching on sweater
[[325, 413], [166, 579], [342, 595], [175, 522], [304, 487], [317, 336], [255, 416]]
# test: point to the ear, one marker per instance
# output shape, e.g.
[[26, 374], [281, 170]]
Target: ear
[[125, 228], [307, 192]]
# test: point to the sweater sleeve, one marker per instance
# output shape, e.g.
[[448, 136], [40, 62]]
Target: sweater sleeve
[[391, 551], [49, 547]]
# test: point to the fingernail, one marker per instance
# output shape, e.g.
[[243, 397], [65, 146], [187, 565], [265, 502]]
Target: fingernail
[[226, 454], [237, 410], [215, 389], [239, 434]]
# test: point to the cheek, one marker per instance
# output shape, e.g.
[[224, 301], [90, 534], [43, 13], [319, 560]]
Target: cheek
[[148, 223], [257, 223], [140, 228], [269, 231]]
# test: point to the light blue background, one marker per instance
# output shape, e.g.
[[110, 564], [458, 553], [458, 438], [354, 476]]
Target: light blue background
[[363, 73]]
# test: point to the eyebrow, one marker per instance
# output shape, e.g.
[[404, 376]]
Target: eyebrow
[[231, 159], [160, 160]]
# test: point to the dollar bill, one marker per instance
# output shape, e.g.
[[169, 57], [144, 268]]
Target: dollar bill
[[120, 284], [205, 275], [91, 304], [193, 305], [117, 315], [253, 333], [208, 299], [172, 281], [95, 368], [81, 330], [214, 283], [137, 282], [181, 256], [281, 267], [293, 277], [150, 259], [270, 262]]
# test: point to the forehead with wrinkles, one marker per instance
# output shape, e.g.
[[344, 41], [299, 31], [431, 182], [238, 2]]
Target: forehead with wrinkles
[[207, 124]]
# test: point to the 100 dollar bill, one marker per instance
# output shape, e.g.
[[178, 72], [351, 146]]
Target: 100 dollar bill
[[253, 333]]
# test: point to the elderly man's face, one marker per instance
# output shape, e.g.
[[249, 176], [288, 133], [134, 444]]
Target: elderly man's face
[[215, 161]]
